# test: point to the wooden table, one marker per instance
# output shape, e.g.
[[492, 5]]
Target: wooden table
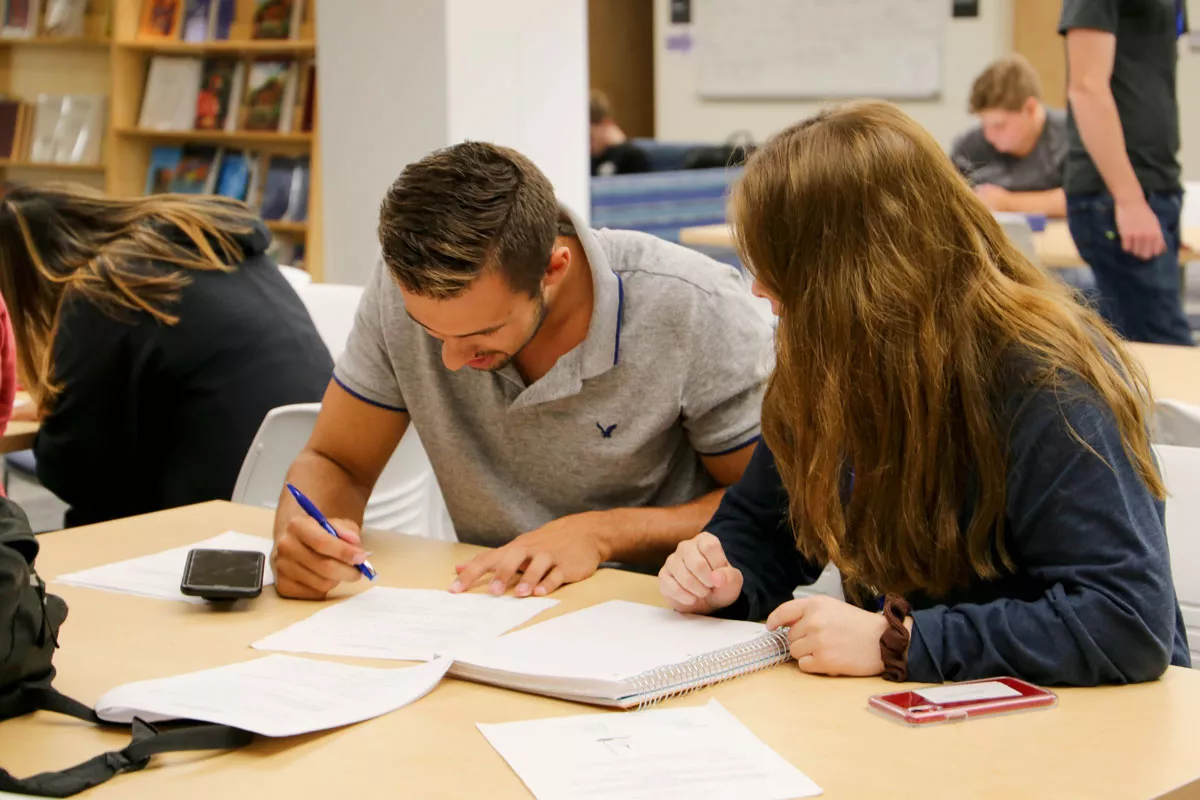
[[18, 435], [1174, 371], [1130, 742], [1055, 248]]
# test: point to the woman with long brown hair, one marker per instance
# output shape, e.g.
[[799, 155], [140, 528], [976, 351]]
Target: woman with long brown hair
[[154, 335], [945, 424]]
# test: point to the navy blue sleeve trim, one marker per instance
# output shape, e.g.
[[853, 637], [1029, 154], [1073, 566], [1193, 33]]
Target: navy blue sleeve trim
[[620, 313], [735, 448], [368, 400]]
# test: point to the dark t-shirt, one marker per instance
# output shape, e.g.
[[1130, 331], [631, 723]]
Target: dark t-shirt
[[621, 159], [1143, 85], [1038, 171]]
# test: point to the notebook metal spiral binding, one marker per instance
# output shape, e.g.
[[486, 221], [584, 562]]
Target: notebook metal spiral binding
[[712, 668]]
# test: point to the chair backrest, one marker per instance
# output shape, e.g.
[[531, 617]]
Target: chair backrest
[[406, 497], [1176, 423], [1181, 471], [332, 307], [661, 203]]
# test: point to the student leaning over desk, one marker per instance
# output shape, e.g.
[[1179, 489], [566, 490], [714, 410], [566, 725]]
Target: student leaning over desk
[[944, 424]]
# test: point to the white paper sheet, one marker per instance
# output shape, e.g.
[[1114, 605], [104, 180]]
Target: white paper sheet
[[686, 753], [614, 640], [160, 574], [405, 624], [274, 695]]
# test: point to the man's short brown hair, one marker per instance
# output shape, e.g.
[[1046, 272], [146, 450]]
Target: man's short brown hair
[[1005, 85], [465, 209]]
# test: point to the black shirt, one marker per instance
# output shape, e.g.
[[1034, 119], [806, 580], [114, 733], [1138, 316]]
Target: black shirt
[[1092, 599], [154, 416], [621, 159], [1143, 86]]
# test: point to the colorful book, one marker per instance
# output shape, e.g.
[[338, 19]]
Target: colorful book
[[265, 90], [274, 19], [161, 19], [216, 89], [310, 98], [221, 16], [278, 189], [20, 19], [164, 161], [196, 20], [233, 179], [197, 164]]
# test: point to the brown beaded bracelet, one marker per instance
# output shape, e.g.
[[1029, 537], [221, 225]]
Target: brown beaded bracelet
[[893, 644]]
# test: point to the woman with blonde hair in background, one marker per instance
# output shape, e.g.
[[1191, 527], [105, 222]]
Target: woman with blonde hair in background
[[154, 334], [945, 424]]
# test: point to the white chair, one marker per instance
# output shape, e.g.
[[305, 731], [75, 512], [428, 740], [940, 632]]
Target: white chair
[[332, 308], [406, 497], [1176, 423], [295, 276], [1181, 472]]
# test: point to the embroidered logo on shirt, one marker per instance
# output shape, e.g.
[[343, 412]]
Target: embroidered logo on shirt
[[606, 432]]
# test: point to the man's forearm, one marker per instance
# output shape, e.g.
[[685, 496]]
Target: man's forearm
[[1100, 128], [328, 485], [644, 534], [1052, 203]]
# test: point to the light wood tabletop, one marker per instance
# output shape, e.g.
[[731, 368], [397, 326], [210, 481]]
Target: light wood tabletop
[[19, 435], [1127, 742], [1174, 372], [1054, 246]]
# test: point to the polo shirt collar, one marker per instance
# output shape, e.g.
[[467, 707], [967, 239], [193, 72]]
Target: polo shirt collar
[[601, 348]]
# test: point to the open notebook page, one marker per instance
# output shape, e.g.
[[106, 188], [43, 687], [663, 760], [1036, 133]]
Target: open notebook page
[[612, 641]]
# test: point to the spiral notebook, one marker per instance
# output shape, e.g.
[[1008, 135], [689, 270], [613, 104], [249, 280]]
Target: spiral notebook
[[621, 654]]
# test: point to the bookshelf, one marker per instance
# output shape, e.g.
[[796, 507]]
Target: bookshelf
[[111, 59]]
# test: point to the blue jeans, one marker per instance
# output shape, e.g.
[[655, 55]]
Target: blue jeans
[[1141, 299]]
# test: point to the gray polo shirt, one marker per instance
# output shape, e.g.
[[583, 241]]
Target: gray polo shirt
[[673, 366]]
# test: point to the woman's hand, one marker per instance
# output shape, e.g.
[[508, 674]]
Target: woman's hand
[[831, 637], [697, 578]]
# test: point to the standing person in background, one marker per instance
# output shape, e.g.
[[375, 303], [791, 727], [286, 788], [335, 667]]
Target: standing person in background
[[1122, 180], [612, 152], [154, 335], [1015, 156]]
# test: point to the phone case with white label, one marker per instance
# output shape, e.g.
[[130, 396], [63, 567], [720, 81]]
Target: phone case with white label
[[954, 702]]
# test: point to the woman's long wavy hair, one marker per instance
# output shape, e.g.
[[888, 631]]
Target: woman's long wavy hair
[[62, 242], [903, 309]]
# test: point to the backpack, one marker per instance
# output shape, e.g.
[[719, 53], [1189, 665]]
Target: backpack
[[30, 618]]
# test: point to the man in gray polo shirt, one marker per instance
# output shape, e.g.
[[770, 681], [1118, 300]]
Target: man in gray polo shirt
[[583, 395]]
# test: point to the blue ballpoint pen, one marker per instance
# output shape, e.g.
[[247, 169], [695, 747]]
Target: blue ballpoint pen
[[365, 568]]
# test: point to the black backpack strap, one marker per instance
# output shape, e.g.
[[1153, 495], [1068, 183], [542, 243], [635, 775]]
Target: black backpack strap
[[147, 741]]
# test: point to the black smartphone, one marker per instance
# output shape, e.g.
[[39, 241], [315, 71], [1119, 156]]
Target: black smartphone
[[223, 574]]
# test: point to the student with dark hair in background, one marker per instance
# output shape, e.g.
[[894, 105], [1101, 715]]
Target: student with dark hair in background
[[612, 152], [154, 335]]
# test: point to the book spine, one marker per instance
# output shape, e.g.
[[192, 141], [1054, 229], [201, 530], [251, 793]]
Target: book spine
[[718, 666]]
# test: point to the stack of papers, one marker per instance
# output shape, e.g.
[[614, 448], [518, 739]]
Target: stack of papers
[[274, 695], [686, 753], [160, 574], [405, 624]]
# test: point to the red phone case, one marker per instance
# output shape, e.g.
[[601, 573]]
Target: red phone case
[[961, 701]]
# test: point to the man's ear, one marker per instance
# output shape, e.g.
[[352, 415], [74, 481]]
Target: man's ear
[[556, 270], [1031, 106]]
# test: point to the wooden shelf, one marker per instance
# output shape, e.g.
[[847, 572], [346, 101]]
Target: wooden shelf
[[247, 138], [287, 226], [255, 47], [7, 163], [56, 41]]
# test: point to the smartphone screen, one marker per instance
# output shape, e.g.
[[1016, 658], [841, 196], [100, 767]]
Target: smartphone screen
[[223, 573]]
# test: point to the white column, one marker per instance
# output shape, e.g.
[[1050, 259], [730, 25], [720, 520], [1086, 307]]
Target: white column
[[399, 78]]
